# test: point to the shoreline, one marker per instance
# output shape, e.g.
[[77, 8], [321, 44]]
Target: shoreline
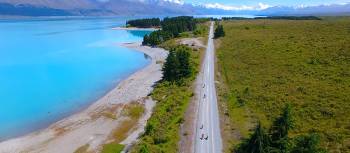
[[135, 28], [90, 126]]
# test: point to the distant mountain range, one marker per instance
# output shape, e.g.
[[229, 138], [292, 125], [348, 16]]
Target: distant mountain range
[[335, 9], [91, 7], [146, 7]]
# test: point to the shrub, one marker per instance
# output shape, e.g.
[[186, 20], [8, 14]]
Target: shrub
[[219, 32], [307, 144]]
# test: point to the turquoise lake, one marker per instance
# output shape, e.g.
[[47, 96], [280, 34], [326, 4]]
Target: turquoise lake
[[51, 68]]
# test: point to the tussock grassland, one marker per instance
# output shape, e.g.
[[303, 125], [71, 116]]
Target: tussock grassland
[[265, 64]]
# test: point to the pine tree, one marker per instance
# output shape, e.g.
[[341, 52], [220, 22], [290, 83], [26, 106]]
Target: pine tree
[[177, 65], [259, 142], [277, 141], [145, 40], [154, 38], [170, 69], [183, 56], [219, 32], [280, 130]]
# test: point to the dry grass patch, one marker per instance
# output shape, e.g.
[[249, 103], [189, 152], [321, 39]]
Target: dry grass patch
[[83, 149], [108, 112], [121, 132], [131, 114]]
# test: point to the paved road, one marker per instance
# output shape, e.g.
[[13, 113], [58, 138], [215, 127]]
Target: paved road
[[208, 137]]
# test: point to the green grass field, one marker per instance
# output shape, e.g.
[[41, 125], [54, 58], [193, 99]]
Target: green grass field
[[265, 64]]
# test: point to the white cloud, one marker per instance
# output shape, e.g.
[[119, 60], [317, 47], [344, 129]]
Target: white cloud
[[260, 6], [181, 2], [324, 4], [263, 6]]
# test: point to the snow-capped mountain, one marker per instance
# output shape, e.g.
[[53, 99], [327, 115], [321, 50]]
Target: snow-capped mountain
[[334, 9], [151, 7]]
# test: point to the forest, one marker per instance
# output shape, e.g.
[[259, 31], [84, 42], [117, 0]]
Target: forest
[[170, 28], [173, 94], [144, 23]]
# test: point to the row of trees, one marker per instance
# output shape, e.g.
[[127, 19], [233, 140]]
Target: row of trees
[[144, 23], [177, 65], [219, 32], [204, 19], [277, 140], [171, 27]]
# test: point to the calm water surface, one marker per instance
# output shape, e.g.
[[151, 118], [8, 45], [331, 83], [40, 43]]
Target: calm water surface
[[52, 68]]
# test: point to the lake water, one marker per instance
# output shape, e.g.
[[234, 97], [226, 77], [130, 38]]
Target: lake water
[[51, 68]]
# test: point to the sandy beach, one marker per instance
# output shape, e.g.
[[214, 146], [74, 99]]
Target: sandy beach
[[90, 126]]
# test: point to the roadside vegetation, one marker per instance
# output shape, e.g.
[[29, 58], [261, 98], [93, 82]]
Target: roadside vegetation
[[173, 93], [266, 64]]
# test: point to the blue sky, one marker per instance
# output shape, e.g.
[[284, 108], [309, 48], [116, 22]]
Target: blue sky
[[269, 2], [258, 4]]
